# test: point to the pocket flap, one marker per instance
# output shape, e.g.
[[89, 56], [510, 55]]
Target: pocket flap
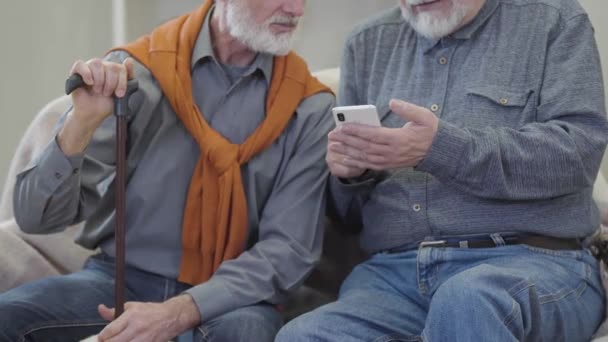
[[501, 96]]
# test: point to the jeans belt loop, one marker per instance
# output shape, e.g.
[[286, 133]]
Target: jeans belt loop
[[498, 239]]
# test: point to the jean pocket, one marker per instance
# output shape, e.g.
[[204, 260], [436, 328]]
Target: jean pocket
[[568, 253], [560, 273]]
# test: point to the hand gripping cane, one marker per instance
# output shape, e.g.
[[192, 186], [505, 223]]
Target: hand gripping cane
[[121, 111]]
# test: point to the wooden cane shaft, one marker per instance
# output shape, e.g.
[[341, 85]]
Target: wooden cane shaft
[[121, 161]]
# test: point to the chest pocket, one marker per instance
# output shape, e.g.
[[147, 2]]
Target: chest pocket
[[496, 106]]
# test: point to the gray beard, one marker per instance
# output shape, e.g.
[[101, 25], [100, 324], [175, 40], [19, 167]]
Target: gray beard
[[428, 25]]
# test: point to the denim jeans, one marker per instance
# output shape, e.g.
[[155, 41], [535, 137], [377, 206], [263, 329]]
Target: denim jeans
[[64, 308], [507, 293]]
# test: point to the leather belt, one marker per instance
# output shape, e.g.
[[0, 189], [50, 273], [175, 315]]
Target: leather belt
[[539, 241]]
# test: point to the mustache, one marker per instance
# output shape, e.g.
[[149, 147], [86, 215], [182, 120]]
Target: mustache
[[418, 2], [283, 20]]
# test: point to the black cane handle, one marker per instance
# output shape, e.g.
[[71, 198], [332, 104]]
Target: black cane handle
[[75, 81]]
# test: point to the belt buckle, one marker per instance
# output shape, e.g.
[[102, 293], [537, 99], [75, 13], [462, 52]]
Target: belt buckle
[[435, 243]]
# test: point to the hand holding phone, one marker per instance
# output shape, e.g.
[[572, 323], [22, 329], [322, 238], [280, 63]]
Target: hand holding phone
[[365, 115]]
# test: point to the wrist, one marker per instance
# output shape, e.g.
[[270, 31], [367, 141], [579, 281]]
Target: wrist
[[184, 311], [84, 122], [75, 134]]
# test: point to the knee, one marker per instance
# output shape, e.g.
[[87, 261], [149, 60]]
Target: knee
[[261, 321]]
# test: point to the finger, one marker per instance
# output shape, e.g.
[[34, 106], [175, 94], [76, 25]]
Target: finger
[[351, 140], [331, 137], [380, 161], [336, 161], [338, 169], [337, 148], [130, 67], [335, 157], [365, 147], [112, 71], [144, 338], [366, 150], [411, 112], [362, 164], [363, 144], [81, 68], [105, 312], [378, 135], [128, 335], [99, 75], [332, 134], [339, 153], [114, 331], [348, 151], [121, 87]]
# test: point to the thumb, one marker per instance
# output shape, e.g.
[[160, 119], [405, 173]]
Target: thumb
[[411, 112], [105, 312]]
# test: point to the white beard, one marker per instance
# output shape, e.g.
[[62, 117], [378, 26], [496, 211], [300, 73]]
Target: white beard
[[259, 38], [430, 24]]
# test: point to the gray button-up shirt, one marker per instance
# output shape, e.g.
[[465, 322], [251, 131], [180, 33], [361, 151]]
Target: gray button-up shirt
[[522, 124], [284, 184]]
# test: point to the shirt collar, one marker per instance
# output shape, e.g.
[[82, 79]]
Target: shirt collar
[[203, 48], [467, 31]]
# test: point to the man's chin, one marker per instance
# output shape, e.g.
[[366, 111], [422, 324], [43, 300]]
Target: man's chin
[[276, 52], [279, 47], [433, 27], [432, 33]]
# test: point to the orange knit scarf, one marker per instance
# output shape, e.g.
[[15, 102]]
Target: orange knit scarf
[[215, 217]]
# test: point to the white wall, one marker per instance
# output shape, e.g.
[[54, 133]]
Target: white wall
[[41, 39]]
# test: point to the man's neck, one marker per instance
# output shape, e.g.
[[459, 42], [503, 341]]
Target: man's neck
[[227, 49]]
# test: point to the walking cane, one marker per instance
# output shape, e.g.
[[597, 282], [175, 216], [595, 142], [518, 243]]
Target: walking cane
[[121, 111]]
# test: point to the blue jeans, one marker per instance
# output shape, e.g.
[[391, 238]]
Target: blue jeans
[[507, 293], [64, 308]]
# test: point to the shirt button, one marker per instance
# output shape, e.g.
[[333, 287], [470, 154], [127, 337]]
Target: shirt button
[[443, 61], [504, 101], [58, 175], [416, 207], [435, 107]]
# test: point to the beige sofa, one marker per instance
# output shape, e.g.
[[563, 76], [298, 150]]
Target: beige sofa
[[26, 257]]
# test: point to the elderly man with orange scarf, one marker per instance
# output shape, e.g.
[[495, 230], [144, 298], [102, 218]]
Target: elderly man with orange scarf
[[225, 193]]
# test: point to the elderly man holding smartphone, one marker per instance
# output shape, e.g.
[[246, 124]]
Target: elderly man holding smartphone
[[475, 195]]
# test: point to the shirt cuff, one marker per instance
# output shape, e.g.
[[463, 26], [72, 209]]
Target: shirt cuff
[[213, 299], [347, 187], [367, 176], [55, 167], [445, 155]]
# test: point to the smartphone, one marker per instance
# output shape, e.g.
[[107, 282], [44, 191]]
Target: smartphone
[[365, 114]]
